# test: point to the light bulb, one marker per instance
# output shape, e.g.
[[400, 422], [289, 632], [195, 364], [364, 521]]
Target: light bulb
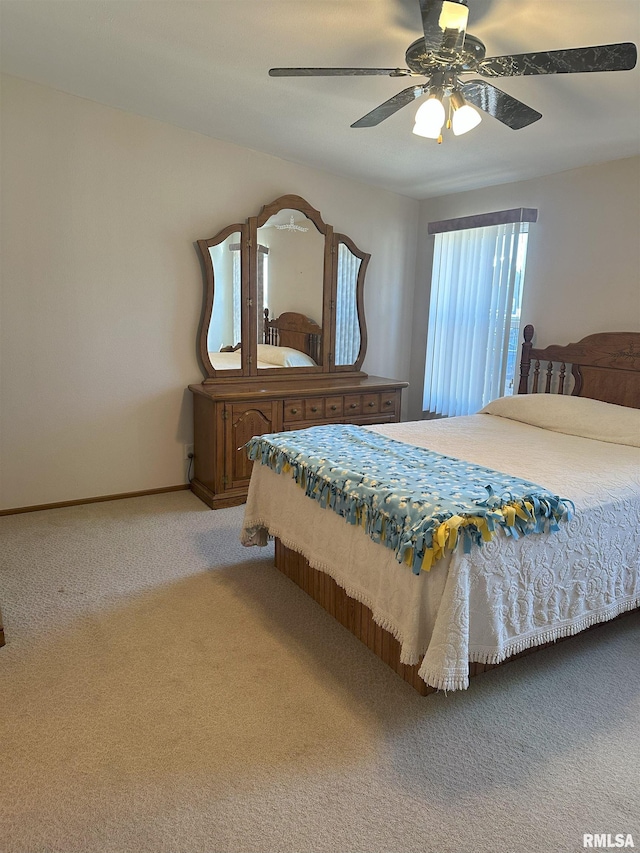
[[454, 16], [430, 118], [464, 119]]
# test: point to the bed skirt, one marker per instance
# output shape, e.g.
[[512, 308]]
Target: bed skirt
[[358, 619]]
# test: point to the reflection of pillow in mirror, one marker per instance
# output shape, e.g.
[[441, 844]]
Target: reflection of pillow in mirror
[[572, 415], [284, 356]]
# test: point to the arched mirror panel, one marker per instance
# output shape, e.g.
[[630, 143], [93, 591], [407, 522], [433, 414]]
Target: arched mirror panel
[[350, 329], [289, 291], [284, 295], [221, 330]]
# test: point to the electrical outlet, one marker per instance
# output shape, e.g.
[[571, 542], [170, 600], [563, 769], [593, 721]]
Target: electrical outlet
[[188, 451]]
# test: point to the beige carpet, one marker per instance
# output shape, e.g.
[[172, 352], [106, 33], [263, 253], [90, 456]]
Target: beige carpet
[[165, 689]]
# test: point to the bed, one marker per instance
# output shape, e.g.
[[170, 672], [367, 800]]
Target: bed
[[269, 356], [290, 340], [574, 429]]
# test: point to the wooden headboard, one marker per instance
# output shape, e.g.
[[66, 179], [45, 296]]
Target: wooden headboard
[[294, 330], [604, 367]]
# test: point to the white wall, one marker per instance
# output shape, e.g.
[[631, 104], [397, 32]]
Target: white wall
[[583, 262], [102, 285]]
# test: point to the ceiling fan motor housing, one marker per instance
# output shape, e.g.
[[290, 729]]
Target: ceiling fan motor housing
[[423, 61]]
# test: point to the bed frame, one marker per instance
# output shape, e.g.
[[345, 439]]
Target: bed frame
[[604, 367], [294, 330]]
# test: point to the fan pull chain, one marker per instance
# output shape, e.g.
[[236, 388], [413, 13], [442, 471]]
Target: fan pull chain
[[447, 125]]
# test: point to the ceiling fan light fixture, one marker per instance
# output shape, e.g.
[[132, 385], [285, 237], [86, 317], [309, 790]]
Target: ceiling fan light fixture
[[430, 117], [454, 16], [429, 131], [465, 118]]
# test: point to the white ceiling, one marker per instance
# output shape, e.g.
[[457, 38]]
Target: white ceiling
[[202, 65]]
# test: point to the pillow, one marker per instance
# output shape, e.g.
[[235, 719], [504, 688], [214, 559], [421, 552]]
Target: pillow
[[571, 415], [284, 356]]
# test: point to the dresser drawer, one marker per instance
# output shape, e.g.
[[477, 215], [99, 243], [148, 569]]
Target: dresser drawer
[[365, 408], [371, 405], [314, 408], [305, 409], [333, 407], [293, 410], [389, 403], [352, 405]]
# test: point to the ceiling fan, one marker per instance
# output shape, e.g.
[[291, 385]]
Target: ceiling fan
[[448, 51]]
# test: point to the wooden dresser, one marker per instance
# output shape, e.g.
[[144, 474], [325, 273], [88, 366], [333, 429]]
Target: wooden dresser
[[281, 343], [227, 415]]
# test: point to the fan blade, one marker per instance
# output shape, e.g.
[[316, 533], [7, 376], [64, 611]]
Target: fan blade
[[577, 60], [337, 72], [388, 108], [444, 25], [499, 104]]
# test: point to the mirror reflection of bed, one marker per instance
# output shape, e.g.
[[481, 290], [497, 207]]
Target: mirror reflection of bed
[[290, 340], [289, 281]]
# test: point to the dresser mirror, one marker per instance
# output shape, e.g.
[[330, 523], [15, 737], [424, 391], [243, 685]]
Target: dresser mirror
[[290, 277], [349, 286], [284, 295], [224, 333]]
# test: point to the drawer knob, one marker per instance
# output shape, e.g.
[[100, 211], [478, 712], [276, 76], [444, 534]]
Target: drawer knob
[[314, 408], [334, 408], [294, 411], [371, 404], [387, 402], [353, 406]]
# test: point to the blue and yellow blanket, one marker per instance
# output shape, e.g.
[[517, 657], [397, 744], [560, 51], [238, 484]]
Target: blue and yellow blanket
[[418, 502]]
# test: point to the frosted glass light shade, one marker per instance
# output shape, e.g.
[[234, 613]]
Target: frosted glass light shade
[[430, 131], [454, 16], [430, 118], [464, 119]]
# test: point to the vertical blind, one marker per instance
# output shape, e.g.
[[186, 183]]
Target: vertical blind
[[476, 290], [347, 326]]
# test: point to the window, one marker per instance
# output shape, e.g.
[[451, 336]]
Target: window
[[474, 313]]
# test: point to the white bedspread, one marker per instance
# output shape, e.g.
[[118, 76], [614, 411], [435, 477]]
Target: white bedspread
[[501, 598], [233, 361]]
